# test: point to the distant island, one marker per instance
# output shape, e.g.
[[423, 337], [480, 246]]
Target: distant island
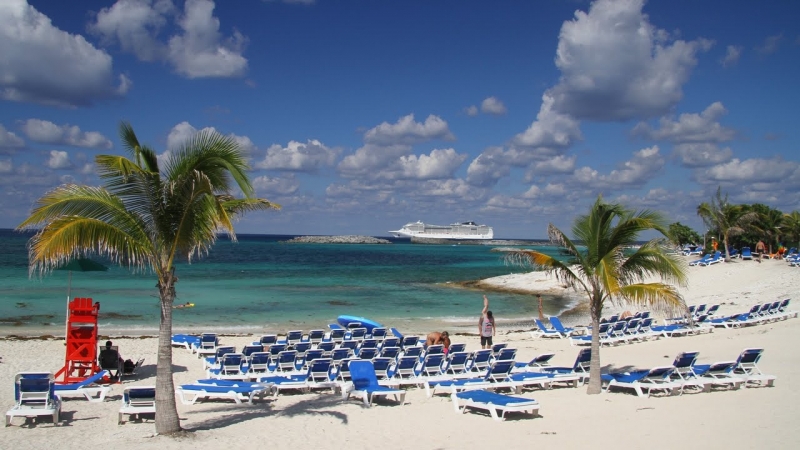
[[337, 240]]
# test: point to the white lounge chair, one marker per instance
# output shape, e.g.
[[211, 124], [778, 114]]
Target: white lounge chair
[[643, 381], [493, 402], [86, 388], [137, 400], [34, 395]]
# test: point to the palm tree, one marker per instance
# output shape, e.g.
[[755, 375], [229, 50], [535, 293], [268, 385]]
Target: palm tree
[[792, 224], [729, 220], [608, 270], [146, 217], [769, 223]]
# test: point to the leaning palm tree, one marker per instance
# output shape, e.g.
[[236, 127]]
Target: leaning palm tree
[[608, 269], [730, 220], [147, 217]]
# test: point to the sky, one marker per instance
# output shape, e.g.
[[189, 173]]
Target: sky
[[361, 116]]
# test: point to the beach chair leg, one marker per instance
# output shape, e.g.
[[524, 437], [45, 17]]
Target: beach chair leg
[[493, 412]]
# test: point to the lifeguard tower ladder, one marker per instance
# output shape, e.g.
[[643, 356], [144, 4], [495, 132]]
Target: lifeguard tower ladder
[[81, 353]]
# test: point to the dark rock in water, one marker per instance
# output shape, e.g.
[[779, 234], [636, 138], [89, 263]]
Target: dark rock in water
[[337, 240]]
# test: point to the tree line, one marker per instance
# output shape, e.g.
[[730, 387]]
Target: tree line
[[740, 225]]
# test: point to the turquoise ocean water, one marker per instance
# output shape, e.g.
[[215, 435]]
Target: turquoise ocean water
[[261, 284]]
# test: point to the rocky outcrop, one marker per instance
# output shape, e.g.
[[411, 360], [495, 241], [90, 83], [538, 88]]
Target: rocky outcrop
[[337, 240]]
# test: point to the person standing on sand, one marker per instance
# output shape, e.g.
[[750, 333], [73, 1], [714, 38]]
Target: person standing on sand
[[761, 249], [486, 326], [541, 312]]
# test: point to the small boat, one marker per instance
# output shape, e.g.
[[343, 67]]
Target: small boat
[[354, 321]]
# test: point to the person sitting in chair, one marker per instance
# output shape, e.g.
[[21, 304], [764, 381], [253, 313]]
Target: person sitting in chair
[[111, 360]]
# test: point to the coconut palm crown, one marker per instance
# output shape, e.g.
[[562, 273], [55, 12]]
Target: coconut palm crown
[[608, 266], [147, 217]]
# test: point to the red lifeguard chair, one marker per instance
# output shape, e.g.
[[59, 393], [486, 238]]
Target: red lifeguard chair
[[81, 353]]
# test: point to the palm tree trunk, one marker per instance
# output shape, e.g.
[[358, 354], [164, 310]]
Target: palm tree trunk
[[725, 243], [594, 365], [166, 409]]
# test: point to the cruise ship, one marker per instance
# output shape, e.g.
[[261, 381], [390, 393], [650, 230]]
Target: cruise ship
[[456, 231]]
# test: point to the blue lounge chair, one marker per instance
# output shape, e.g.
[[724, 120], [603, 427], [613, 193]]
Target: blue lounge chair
[[746, 254], [237, 391], [378, 333], [558, 326], [186, 340], [208, 344], [384, 367], [316, 336], [34, 396], [137, 400], [580, 368], [696, 262], [456, 348], [542, 360], [494, 377], [643, 381], [720, 373], [86, 388], [747, 367], [456, 363], [717, 258], [493, 402], [543, 331], [365, 384], [480, 360]]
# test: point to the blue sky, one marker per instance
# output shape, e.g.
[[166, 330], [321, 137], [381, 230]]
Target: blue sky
[[360, 116]]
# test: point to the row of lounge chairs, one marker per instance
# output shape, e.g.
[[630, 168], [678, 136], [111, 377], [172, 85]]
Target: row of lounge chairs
[[686, 373], [758, 314]]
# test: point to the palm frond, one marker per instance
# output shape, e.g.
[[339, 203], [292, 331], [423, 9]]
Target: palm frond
[[658, 297], [71, 237]]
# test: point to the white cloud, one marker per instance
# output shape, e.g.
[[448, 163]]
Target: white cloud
[[771, 44], [58, 160], [555, 165], [551, 130], [198, 51], [135, 24], [370, 158], [201, 51], [441, 163], [492, 105], [703, 127], [47, 132], [631, 174], [702, 155], [732, 55], [471, 110], [66, 69], [615, 65], [409, 132], [9, 141], [87, 169], [303, 157], [491, 165], [6, 166], [775, 170], [265, 185]]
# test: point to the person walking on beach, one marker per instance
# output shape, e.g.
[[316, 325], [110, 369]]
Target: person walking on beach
[[486, 326], [761, 249], [541, 312]]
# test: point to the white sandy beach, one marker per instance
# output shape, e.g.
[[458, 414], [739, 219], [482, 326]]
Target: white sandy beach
[[754, 417]]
